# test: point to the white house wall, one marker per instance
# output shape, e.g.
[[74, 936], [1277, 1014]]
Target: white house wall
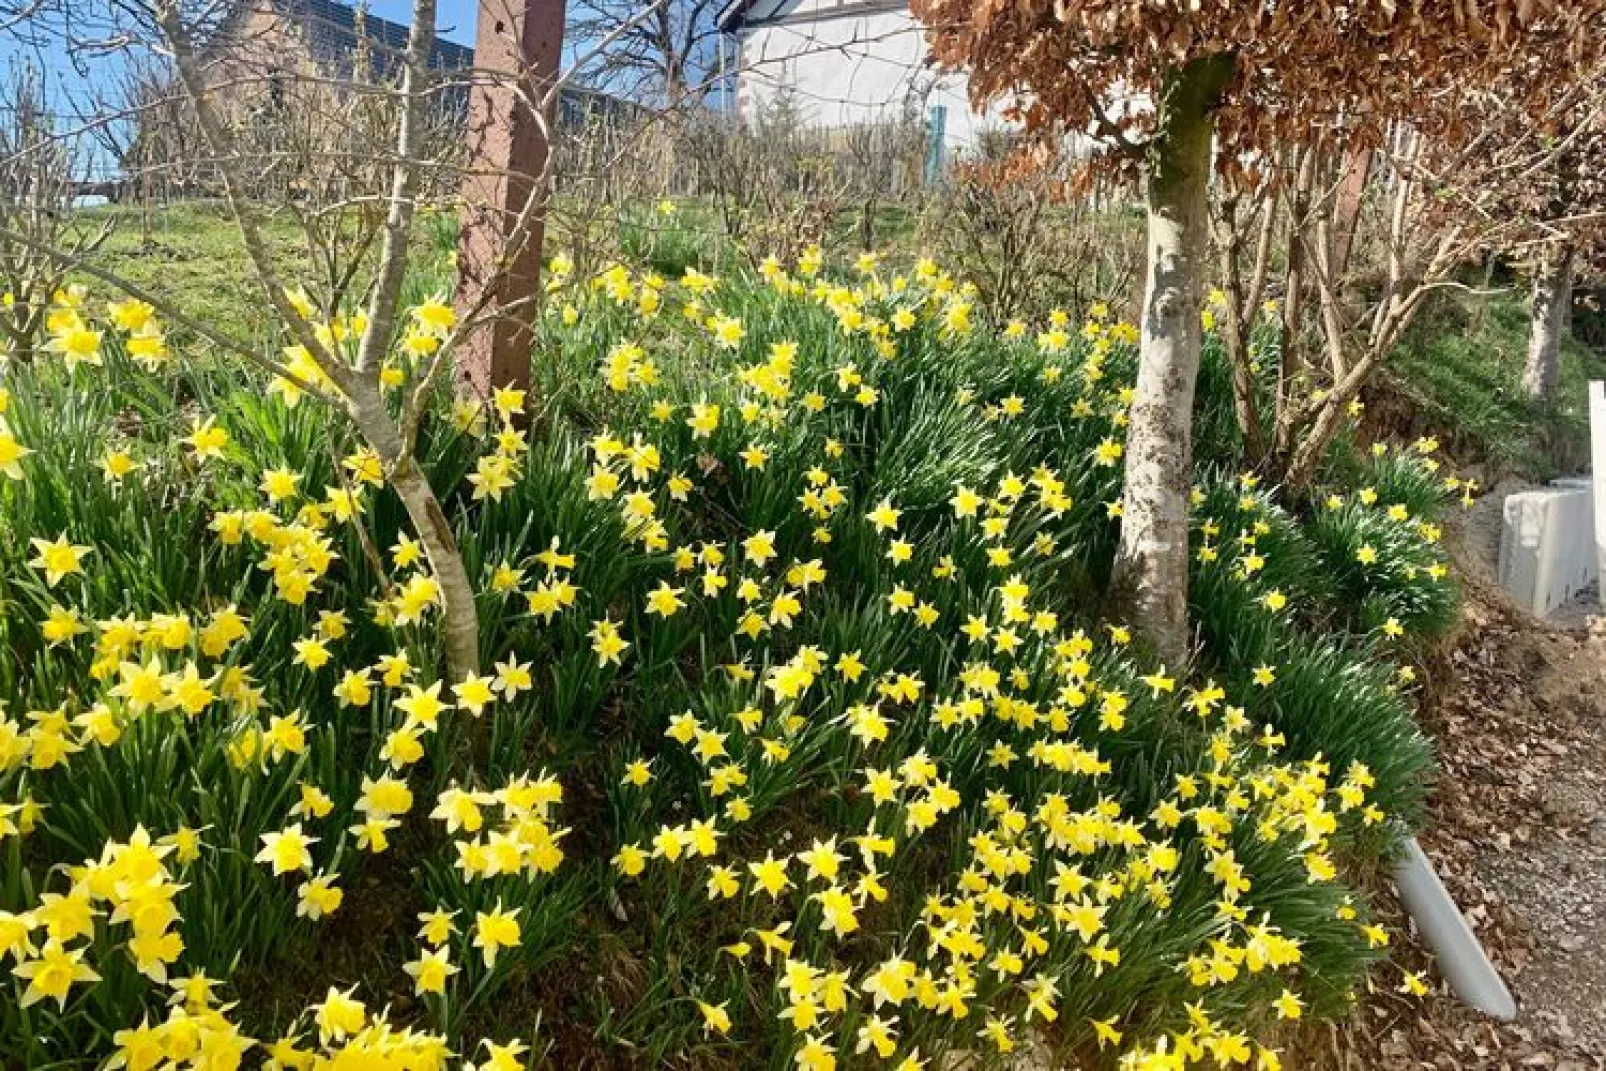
[[843, 70]]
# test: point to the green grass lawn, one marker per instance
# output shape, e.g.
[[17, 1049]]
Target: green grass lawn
[[191, 254]]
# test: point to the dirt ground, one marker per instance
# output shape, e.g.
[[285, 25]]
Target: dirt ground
[[1518, 833]]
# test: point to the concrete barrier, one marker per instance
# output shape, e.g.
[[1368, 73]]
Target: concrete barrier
[[1547, 545], [1581, 546]]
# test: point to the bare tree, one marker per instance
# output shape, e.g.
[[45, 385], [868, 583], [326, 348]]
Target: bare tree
[[39, 176], [663, 59], [773, 182], [355, 387], [1560, 198], [1516, 182], [1239, 218], [1028, 233], [352, 156], [885, 159]]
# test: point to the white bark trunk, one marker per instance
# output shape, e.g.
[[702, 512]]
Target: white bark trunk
[[386, 297], [459, 616], [1552, 293], [1151, 574]]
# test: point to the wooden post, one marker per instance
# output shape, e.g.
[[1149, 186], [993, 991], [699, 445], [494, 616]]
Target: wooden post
[[1357, 169], [515, 42]]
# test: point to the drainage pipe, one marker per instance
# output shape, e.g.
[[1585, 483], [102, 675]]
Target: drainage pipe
[[1462, 960]]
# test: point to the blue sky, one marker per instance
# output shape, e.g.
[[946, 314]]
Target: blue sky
[[76, 92], [454, 19], [71, 93]]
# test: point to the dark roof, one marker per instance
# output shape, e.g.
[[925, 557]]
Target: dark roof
[[330, 30], [737, 15]]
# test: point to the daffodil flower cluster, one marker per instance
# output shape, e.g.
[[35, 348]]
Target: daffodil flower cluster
[[1096, 859], [854, 727]]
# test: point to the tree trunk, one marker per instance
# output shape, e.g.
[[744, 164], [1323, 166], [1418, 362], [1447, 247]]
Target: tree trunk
[[1354, 174], [1312, 448], [518, 51], [1243, 306], [1151, 568], [1567, 299], [1552, 293], [1290, 362], [459, 615], [355, 389]]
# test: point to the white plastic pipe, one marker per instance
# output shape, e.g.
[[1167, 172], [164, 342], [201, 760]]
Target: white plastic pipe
[[1462, 960], [1597, 439]]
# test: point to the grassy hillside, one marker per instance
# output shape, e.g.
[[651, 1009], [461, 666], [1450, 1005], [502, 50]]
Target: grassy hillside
[[1459, 376]]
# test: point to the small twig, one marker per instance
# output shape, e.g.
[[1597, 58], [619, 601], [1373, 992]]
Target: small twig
[[364, 537], [1108, 127]]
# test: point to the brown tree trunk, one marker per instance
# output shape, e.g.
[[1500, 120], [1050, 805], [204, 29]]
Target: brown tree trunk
[[1151, 568], [1552, 293], [1312, 446], [518, 47], [1351, 194], [1291, 361], [1326, 415], [1243, 306]]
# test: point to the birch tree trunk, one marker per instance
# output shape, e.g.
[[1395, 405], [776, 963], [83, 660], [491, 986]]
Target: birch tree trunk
[[1552, 293], [1151, 568], [459, 614]]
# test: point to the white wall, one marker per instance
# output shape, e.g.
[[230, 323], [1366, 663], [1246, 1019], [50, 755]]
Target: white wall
[[842, 70]]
